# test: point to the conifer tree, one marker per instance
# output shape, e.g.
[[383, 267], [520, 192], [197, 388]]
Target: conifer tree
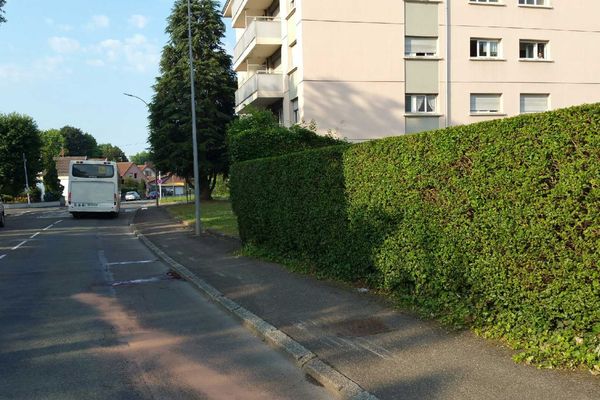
[[215, 82]]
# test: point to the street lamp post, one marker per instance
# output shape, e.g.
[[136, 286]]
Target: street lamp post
[[194, 137], [148, 106]]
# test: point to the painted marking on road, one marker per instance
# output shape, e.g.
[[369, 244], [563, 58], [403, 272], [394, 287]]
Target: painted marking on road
[[34, 235], [131, 262], [137, 281], [19, 245], [58, 222], [48, 227], [144, 208], [2, 256]]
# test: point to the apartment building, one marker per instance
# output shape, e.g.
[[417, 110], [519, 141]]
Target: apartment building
[[369, 69]]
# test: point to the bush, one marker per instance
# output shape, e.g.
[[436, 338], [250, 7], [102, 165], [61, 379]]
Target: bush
[[52, 196], [259, 135], [494, 225], [35, 194]]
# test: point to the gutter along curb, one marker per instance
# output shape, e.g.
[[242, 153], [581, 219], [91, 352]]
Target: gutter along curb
[[334, 381]]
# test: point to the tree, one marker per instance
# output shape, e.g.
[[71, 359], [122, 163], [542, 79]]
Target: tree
[[112, 153], [140, 158], [19, 135], [79, 143], [170, 116], [2, 3], [51, 182], [53, 143]]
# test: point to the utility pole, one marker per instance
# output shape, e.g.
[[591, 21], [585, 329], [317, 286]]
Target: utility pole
[[194, 138], [26, 179]]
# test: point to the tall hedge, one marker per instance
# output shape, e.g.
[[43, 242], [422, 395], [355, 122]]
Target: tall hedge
[[494, 225]]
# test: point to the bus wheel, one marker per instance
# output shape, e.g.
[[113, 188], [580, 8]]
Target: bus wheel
[[76, 215]]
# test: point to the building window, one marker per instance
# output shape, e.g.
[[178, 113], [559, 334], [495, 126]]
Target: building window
[[135, 175], [486, 103], [483, 1], [485, 48], [530, 50], [420, 103], [534, 2], [420, 46], [533, 103], [295, 112]]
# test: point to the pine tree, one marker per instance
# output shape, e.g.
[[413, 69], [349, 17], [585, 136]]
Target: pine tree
[[215, 83]]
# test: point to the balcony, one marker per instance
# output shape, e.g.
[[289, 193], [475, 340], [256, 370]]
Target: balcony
[[260, 90], [238, 10], [260, 40]]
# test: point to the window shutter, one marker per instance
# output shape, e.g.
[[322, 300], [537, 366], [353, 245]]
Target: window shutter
[[413, 45], [485, 103], [532, 103]]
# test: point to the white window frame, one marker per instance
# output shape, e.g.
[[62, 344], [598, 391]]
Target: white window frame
[[417, 53], [485, 1], [536, 53], [490, 111], [488, 48], [534, 3], [546, 96], [412, 102]]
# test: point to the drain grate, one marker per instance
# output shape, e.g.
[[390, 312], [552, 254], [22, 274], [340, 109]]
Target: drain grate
[[358, 327]]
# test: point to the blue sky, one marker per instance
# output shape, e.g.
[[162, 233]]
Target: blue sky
[[68, 62]]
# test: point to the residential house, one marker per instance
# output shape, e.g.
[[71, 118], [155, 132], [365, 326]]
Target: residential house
[[372, 69], [129, 170]]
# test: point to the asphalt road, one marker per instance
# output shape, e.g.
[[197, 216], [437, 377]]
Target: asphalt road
[[87, 312]]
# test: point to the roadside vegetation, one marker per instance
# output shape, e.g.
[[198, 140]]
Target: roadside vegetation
[[493, 226], [216, 215]]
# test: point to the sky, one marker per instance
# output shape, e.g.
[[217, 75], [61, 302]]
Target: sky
[[68, 62]]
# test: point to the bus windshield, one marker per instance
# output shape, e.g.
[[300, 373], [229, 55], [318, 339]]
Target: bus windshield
[[93, 171]]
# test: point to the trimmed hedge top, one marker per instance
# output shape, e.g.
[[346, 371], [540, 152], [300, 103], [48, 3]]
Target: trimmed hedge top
[[494, 225]]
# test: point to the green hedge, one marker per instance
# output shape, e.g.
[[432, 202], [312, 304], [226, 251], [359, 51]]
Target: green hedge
[[494, 225], [258, 134]]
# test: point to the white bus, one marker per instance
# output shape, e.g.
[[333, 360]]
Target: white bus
[[94, 187]]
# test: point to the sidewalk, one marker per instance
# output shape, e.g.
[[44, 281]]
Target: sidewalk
[[390, 354]]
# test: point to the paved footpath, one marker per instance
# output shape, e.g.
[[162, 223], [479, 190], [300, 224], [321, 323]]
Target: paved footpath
[[390, 354]]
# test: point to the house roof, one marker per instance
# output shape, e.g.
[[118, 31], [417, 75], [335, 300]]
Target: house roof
[[62, 164], [124, 167], [169, 179]]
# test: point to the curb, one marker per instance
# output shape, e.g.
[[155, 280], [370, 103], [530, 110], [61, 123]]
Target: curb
[[334, 381]]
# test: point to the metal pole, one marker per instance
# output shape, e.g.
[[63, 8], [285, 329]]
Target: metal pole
[[159, 188], [26, 179], [194, 138]]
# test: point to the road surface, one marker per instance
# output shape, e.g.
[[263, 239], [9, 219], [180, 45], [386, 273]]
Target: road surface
[[87, 312]]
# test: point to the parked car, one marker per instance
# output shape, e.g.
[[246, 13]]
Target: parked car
[[130, 196], [153, 195], [2, 216]]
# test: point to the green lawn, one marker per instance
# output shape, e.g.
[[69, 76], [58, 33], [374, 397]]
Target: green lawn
[[215, 215]]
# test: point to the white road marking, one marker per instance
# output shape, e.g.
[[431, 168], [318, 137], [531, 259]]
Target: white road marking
[[34, 235], [48, 227], [136, 281], [2, 256], [144, 208], [131, 262], [58, 222], [19, 245]]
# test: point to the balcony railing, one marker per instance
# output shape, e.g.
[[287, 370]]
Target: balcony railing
[[260, 39], [238, 7], [260, 89]]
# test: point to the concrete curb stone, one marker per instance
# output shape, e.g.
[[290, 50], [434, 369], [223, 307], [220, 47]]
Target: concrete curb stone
[[334, 381]]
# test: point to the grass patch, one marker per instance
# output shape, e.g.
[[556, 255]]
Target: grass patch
[[216, 215]]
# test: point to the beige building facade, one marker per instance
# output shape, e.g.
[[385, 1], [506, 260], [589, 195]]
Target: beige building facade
[[365, 70]]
